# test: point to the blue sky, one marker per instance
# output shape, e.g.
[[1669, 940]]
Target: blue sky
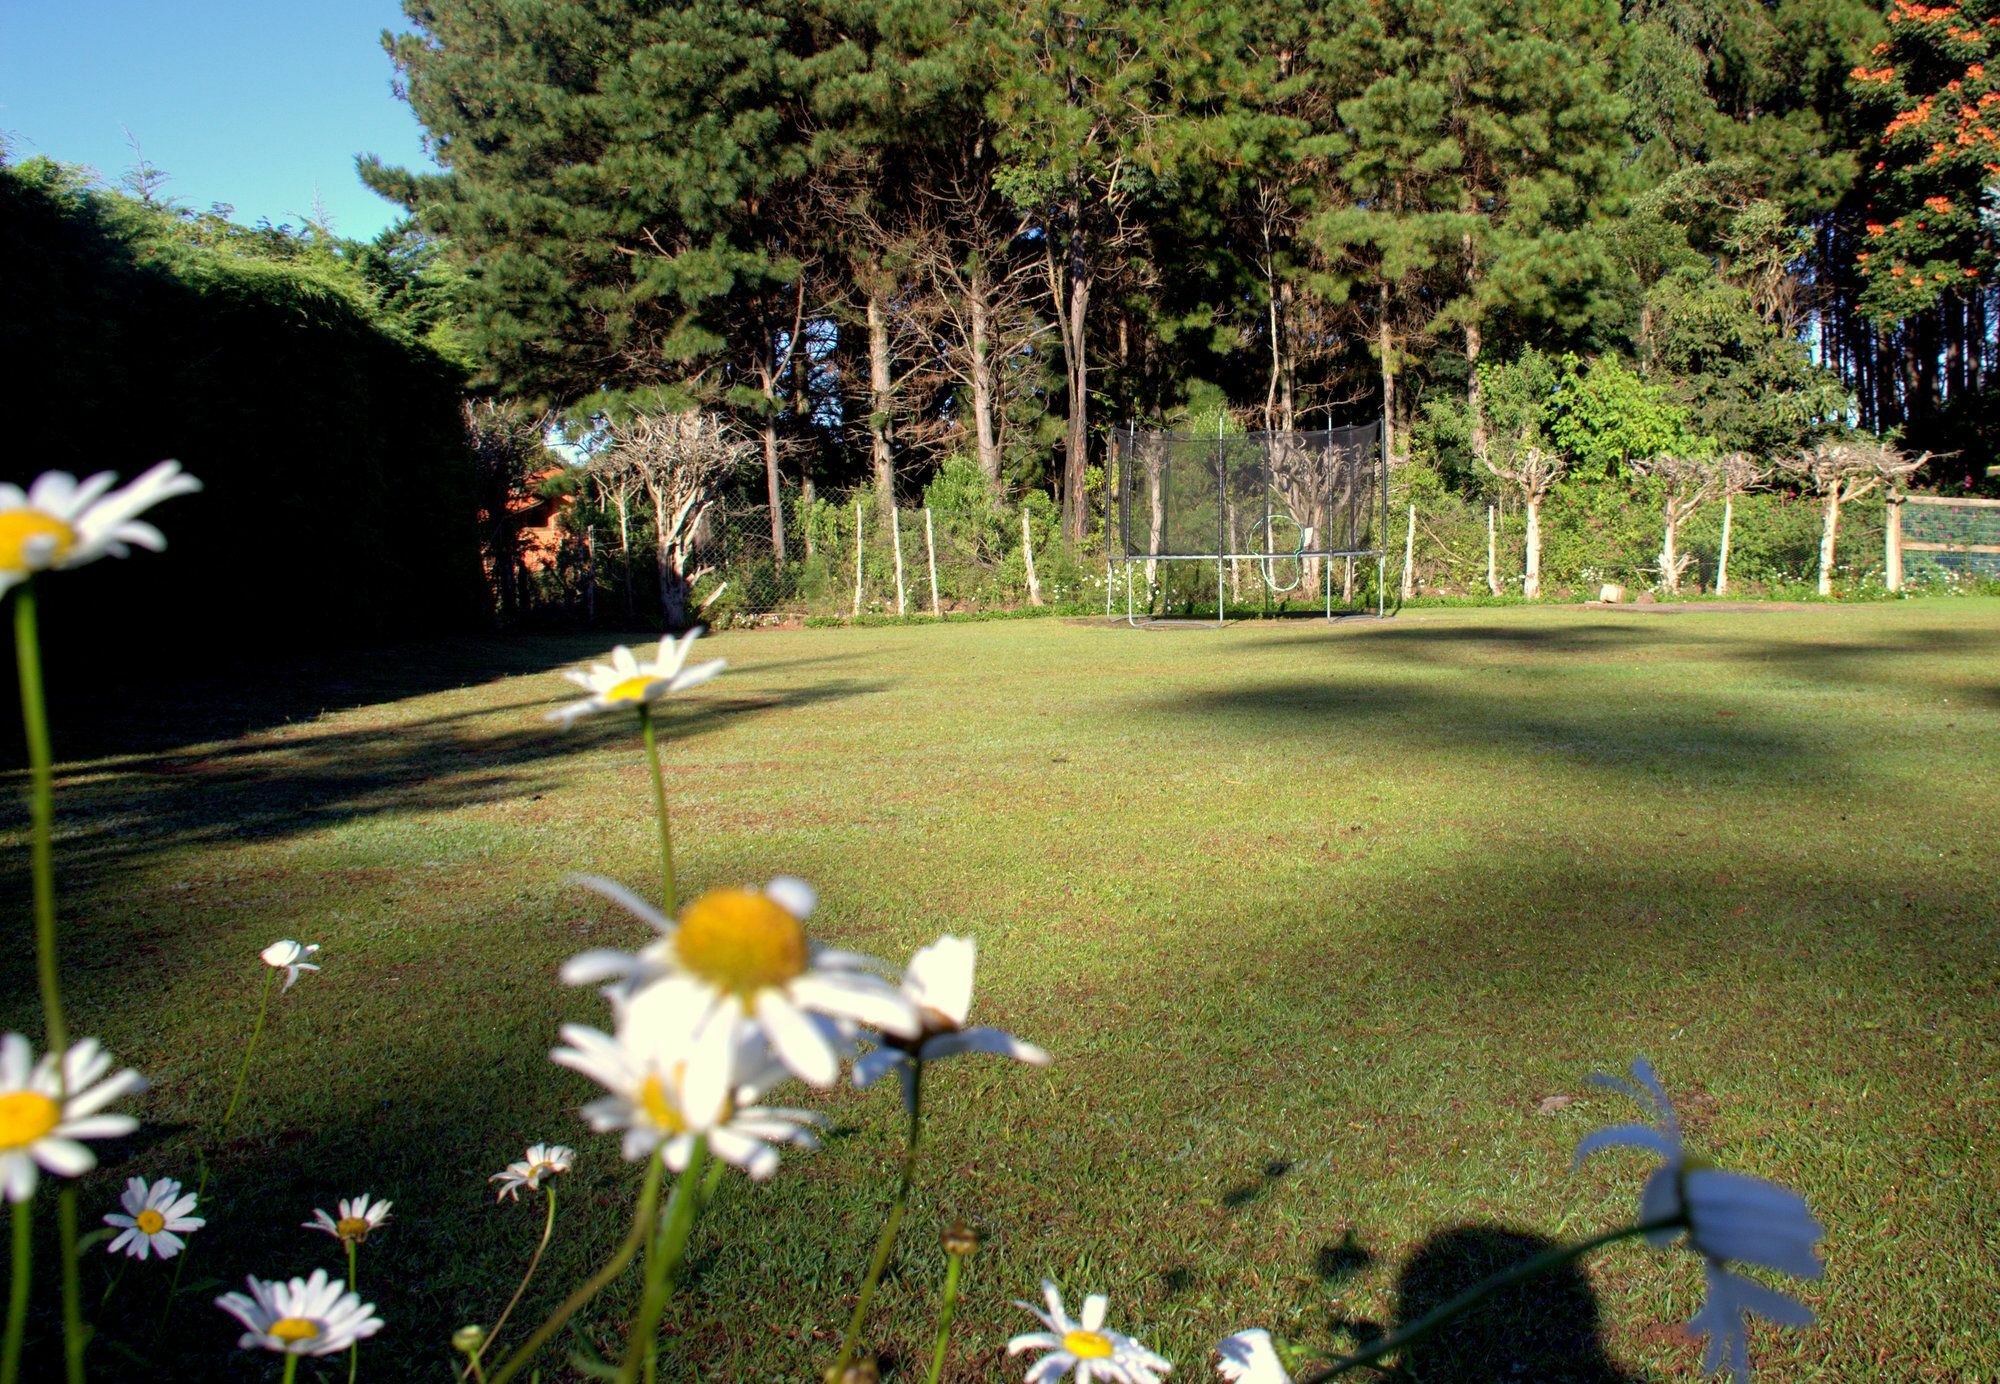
[[258, 104]]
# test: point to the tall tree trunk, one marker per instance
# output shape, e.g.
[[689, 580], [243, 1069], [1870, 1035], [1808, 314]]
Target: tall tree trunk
[[1531, 580], [673, 600], [883, 463], [1475, 396], [590, 574], [985, 435], [1826, 541], [1074, 284], [774, 492], [1383, 349]]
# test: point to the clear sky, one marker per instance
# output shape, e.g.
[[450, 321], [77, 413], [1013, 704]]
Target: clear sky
[[258, 103]]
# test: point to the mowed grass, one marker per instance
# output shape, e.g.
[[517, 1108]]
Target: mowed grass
[[1313, 918]]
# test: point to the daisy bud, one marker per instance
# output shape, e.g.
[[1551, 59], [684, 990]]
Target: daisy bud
[[468, 1339], [961, 1239], [863, 1371]]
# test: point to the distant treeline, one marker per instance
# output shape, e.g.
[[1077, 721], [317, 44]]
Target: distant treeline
[[878, 233], [296, 375]]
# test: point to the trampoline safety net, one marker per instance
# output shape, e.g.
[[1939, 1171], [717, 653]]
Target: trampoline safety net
[[1251, 496]]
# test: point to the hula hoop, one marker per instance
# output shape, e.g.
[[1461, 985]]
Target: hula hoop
[[1298, 556]]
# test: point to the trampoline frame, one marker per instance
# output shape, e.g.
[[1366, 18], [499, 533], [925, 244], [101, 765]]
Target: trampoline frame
[[1117, 530]]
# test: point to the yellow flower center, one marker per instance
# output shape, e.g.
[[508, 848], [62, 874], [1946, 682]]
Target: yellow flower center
[[21, 527], [351, 1228], [653, 1100], [26, 1116], [1087, 1345], [740, 942], [633, 689], [290, 1329], [150, 1221]]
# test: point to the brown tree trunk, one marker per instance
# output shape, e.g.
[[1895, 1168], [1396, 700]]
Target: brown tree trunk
[[773, 489], [985, 436], [883, 464], [1076, 455], [1826, 544], [1383, 347], [1475, 396]]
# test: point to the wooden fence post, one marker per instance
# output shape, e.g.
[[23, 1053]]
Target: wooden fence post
[[930, 547], [896, 528], [857, 557], [1892, 542], [1028, 555], [1410, 557], [1492, 557]]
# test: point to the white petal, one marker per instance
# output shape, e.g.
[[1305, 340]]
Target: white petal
[[797, 1042], [793, 895]]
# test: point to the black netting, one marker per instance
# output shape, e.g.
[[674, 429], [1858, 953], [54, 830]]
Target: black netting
[[1272, 497]]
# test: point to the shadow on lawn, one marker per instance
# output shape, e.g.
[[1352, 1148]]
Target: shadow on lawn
[[1545, 1329]]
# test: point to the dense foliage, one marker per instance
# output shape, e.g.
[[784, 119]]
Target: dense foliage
[[881, 234], [306, 380]]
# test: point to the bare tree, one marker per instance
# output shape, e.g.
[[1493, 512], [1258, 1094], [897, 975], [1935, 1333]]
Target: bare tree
[[1738, 473], [1841, 470], [1533, 469], [506, 443], [616, 482], [1689, 483], [679, 459]]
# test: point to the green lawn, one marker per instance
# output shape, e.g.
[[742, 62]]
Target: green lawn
[[1313, 919]]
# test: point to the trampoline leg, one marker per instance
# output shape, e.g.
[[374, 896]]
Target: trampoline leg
[[1380, 607], [1218, 592], [1326, 586]]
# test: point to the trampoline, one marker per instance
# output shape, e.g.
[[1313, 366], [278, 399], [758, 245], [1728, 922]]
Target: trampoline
[[1271, 510]]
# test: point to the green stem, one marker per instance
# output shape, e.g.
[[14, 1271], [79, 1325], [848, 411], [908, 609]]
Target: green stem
[[353, 1277], [41, 771], [243, 1068], [660, 808], [1552, 1258], [885, 1244], [291, 1368], [945, 1314], [17, 1295], [534, 1260], [711, 1183], [663, 1262], [643, 1227], [76, 1337]]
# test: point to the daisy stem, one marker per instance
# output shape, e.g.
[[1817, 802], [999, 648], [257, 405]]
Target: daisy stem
[[946, 1311], [35, 721], [660, 808], [75, 1334], [663, 1262], [1552, 1258], [353, 1273], [643, 1226], [17, 1294], [243, 1069], [291, 1367], [548, 1229], [885, 1244]]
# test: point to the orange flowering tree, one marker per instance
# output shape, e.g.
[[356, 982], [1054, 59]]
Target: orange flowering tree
[[1936, 82]]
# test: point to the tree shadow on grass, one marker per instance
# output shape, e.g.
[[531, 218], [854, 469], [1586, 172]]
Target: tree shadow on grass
[[1545, 1329]]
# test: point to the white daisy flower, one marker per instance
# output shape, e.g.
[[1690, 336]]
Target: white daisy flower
[[1248, 1357], [307, 1316], [44, 1115], [938, 986], [1729, 1218], [744, 954], [666, 1089], [290, 957], [543, 1160], [627, 682], [1082, 1348], [155, 1218], [359, 1216], [61, 522]]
